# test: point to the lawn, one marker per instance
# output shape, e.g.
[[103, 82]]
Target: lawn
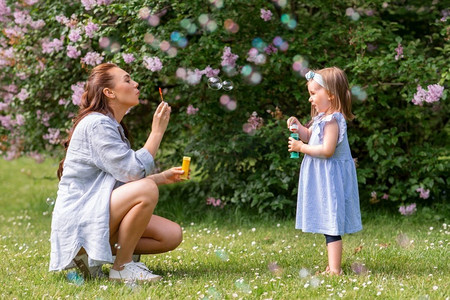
[[225, 255]]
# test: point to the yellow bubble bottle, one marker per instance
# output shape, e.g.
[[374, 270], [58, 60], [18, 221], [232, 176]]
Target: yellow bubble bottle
[[185, 167]]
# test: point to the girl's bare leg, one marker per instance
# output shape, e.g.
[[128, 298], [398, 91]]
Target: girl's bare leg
[[335, 257]]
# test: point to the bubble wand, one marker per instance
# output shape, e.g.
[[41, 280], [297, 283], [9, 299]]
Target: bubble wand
[[160, 92]]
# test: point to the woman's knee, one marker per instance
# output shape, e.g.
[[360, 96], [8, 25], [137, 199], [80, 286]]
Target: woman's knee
[[149, 192]]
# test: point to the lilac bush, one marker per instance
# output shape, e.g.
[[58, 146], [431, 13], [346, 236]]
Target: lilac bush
[[47, 49]]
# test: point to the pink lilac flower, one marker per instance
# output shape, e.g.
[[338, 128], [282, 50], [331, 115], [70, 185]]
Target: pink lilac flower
[[15, 32], [52, 136], [92, 58], [6, 122], [266, 15], [270, 49], [385, 196], [31, 2], [210, 72], [37, 24], [407, 210], [419, 96], [22, 17], [228, 58], [399, 51], [45, 118], [445, 13], [88, 4], [22, 75], [4, 11], [11, 88], [6, 56], [39, 158], [3, 106], [215, 202], [62, 19], [191, 110], [23, 94], [154, 64], [20, 119], [434, 93], [128, 57], [78, 90], [62, 101], [424, 194], [254, 121], [54, 46], [73, 52], [90, 29], [75, 35]]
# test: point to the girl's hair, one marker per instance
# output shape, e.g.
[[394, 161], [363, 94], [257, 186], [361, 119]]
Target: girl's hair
[[337, 88], [93, 100]]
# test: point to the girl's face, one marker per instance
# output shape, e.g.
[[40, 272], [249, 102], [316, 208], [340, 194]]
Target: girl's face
[[125, 89], [319, 97]]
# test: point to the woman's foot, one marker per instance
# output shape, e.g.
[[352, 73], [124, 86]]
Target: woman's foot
[[133, 271]]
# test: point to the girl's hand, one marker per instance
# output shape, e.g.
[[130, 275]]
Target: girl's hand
[[294, 145], [161, 118], [293, 120]]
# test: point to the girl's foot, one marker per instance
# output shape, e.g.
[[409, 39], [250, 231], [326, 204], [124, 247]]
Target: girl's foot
[[329, 272]]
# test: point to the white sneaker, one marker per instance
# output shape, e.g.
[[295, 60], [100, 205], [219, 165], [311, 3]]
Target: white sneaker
[[133, 271]]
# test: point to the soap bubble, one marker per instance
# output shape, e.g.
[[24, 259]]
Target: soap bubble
[[227, 85], [403, 240], [359, 93], [246, 70], [275, 269], [242, 285], [104, 42], [359, 268], [224, 99], [222, 255], [175, 36], [75, 278], [231, 105], [117, 246], [215, 83], [303, 273], [50, 201], [153, 20], [213, 294], [314, 282]]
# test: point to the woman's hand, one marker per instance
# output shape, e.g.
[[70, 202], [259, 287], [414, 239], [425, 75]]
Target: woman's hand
[[294, 145], [161, 118], [293, 120], [171, 175]]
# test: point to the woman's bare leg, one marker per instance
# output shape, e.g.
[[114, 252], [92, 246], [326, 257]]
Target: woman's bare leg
[[131, 208], [161, 235]]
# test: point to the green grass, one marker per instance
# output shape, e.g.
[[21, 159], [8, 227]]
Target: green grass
[[224, 255]]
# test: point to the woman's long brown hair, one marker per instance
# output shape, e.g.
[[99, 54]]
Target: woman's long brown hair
[[93, 100]]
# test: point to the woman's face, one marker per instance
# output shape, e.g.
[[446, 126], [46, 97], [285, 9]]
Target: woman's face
[[125, 89], [319, 97]]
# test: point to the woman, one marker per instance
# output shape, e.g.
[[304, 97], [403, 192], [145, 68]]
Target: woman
[[106, 195]]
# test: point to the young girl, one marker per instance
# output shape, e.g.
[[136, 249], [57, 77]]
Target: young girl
[[328, 200]]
